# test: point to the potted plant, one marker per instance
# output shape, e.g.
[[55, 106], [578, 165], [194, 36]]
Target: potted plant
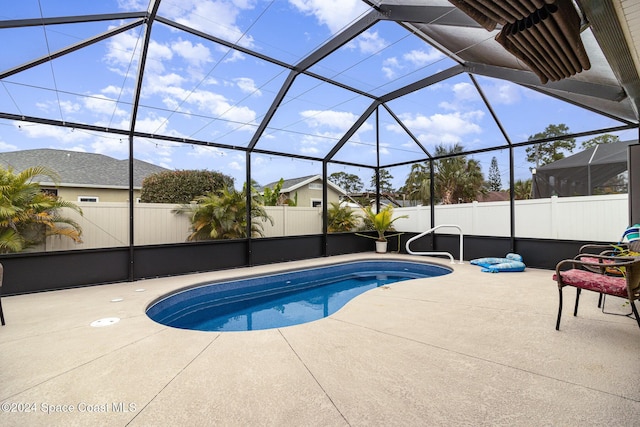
[[381, 222]]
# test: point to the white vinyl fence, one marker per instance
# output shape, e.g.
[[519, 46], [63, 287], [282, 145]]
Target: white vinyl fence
[[592, 218], [107, 225], [589, 218]]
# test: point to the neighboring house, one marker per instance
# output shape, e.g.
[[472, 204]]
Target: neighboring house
[[83, 177], [601, 169], [308, 190]]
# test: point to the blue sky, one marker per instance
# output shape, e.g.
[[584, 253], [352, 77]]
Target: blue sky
[[196, 89]]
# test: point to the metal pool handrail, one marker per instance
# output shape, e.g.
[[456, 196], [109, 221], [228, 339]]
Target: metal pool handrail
[[409, 251]]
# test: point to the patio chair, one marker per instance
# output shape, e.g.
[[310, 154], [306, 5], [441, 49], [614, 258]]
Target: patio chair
[[1, 313], [594, 274], [609, 249]]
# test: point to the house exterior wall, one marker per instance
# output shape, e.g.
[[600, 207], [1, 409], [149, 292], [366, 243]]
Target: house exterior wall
[[307, 195], [71, 194]]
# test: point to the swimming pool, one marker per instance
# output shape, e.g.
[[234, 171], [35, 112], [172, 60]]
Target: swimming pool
[[282, 299]]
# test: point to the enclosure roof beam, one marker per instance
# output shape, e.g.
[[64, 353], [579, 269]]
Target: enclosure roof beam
[[70, 49], [363, 118], [36, 22], [528, 78], [440, 15], [351, 32], [421, 84]]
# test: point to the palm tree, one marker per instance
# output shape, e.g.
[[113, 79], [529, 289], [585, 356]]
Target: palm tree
[[341, 218], [222, 215], [27, 215], [417, 187], [456, 179], [522, 189]]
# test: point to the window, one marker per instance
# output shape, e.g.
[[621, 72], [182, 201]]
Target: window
[[88, 199], [316, 203]]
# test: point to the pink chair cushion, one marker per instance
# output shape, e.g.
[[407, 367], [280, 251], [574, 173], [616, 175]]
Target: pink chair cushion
[[596, 260], [594, 282]]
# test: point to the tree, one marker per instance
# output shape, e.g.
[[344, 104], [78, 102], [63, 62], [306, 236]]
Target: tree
[[28, 215], [522, 189], [457, 180], [350, 183], [606, 138], [417, 185], [182, 186], [386, 178], [548, 152], [222, 215], [341, 218], [495, 182]]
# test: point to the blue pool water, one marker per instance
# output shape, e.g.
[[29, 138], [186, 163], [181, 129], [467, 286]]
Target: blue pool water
[[284, 299]]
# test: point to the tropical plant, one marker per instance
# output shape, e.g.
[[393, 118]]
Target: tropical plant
[[457, 180], [381, 221], [223, 215], [28, 215], [341, 218], [274, 196], [417, 187], [522, 189]]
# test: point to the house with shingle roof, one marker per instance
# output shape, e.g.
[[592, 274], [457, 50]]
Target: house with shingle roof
[[308, 190], [83, 177]]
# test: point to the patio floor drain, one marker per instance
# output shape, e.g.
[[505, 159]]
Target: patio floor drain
[[108, 321]]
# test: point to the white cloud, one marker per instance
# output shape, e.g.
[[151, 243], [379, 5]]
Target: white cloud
[[120, 49], [339, 120], [215, 17], [465, 91], [201, 151], [111, 147], [206, 101], [61, 134], [421, 58], [113, 90], [335, 14], [100, 104], [247, 85], [7, 147], [234, 57], [390, 66], [123, 49], [52, 107], [503, 93], [448, 128], [133, 5], [370, 42], [78, 148], [195, 54], [235, 166]]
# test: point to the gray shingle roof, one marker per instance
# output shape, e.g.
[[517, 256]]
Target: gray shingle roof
[[81, 169], [293, 184]]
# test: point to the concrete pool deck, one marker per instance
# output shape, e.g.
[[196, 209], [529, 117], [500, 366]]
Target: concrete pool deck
[[468, 348]]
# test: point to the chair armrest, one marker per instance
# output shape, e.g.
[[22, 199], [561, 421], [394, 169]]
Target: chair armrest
[[599, 265]]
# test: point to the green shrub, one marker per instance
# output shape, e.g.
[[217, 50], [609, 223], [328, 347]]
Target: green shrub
[[182, 186]]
